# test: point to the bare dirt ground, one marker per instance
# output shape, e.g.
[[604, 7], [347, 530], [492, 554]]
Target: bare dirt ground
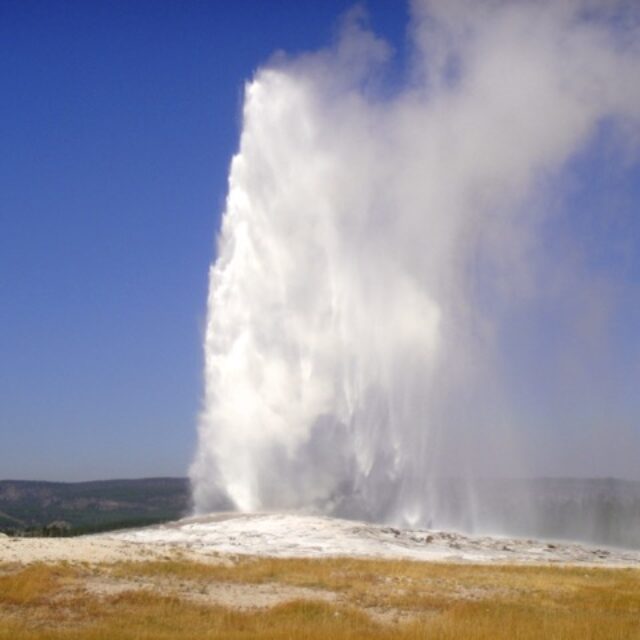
[[83, 549]]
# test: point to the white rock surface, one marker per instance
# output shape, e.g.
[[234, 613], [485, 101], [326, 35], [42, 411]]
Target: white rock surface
[[295, 535]]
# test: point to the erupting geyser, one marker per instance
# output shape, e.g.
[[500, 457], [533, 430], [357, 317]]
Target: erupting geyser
[[373, 243]]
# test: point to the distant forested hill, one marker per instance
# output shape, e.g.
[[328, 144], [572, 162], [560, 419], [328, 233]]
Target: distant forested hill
[[601, 511], [61, 508]]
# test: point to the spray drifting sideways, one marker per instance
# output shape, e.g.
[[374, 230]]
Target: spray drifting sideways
[[352, 357]]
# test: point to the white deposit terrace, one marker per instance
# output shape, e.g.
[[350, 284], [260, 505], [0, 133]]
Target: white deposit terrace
[[295, 535]]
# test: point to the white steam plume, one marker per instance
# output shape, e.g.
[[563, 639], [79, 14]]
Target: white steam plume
[[371, 243]]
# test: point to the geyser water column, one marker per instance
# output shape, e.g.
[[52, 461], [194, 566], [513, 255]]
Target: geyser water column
[[320, 339], [351, 352]]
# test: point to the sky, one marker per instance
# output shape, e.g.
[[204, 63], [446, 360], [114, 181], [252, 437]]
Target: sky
[[118, 122]]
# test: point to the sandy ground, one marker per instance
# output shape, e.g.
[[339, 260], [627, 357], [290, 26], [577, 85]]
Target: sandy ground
[[239, 596], [211, 538], [88, 549]]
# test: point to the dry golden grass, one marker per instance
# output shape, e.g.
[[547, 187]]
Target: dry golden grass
[[371, 599], [32, 585]]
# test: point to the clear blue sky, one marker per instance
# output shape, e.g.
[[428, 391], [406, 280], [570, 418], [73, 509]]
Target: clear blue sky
[[118, 120]]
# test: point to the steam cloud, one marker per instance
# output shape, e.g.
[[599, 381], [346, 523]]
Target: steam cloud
[[377, 243]]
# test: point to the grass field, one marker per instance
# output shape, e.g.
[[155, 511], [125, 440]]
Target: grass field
[[312, 599]]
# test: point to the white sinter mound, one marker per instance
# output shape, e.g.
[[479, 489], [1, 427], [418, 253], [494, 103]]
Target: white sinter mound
[[296, 535]]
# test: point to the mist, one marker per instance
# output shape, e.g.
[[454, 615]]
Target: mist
[[429, 277]]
